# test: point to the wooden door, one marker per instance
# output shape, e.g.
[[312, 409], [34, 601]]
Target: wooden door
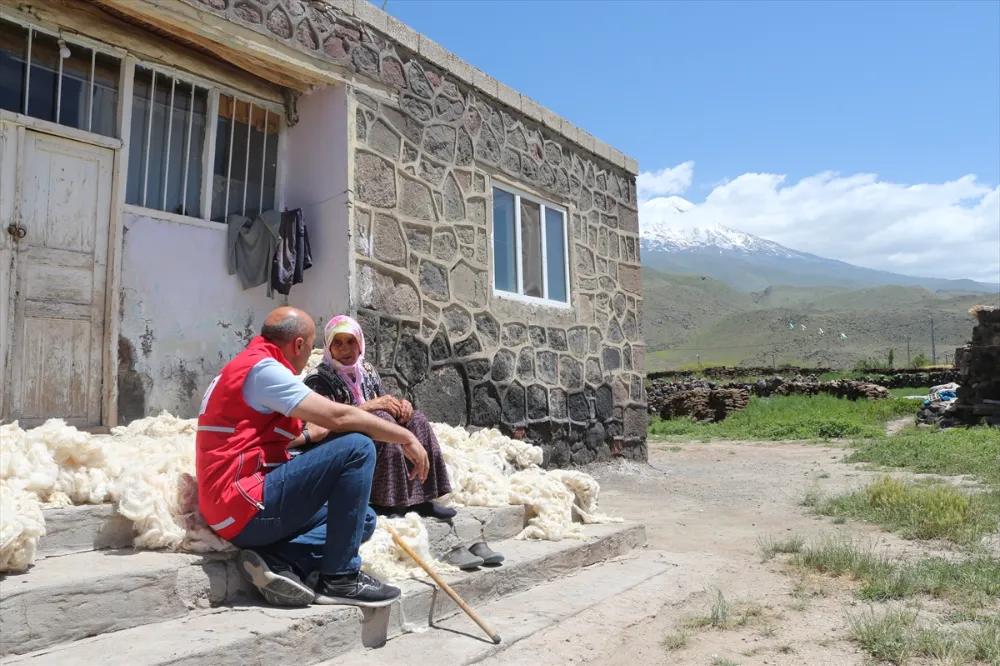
[[60, 273], [8, 175]]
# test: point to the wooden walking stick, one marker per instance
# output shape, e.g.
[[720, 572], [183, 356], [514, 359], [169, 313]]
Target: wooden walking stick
[[494, 636]]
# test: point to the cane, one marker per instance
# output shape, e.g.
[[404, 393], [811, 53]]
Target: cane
[[494, 636]]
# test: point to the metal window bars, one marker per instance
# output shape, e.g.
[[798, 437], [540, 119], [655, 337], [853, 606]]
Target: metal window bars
[[234, 103], [189, 129], [91, 86]]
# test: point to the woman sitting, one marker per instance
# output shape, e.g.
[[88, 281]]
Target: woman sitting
[[345, 377]]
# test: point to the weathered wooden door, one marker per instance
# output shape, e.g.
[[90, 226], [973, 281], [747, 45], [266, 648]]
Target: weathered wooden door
[[63, 196], [8, 175]]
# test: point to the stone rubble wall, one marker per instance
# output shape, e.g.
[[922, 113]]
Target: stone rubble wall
[[425, 148], [704, 404], [665, 397], [978, 364]]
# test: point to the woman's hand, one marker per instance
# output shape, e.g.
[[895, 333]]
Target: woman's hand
[[416, 454], [405, 411], [385, 403]]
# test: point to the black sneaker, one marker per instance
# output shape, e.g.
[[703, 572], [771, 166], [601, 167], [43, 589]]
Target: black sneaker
[[358, 589], [279, 583]]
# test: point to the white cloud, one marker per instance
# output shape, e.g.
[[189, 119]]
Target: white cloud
[[674, 180], [947, 230]]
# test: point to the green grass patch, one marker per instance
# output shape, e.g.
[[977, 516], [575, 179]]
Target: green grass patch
[[675, 641], [770, 546], [794, 417], [904, 392], [722, 661], [725, 614], [972, 451], [920, 511], [974, 581], [895, 635]]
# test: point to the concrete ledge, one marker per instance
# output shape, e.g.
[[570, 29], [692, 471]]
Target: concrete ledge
[[249, 633], [79, 529]]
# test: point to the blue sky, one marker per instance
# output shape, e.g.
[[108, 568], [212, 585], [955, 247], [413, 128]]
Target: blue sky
[[908, 91]]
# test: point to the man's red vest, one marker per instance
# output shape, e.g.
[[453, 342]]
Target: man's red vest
[[236, 445]]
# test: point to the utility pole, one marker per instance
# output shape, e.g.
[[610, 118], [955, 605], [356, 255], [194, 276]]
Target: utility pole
[[933, 344], [774, 362], [907, 351]]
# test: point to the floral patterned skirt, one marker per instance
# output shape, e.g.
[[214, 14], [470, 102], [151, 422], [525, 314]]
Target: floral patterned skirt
[[391, 485]]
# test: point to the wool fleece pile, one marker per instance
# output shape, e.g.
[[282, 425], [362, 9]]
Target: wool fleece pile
[[147, 470]]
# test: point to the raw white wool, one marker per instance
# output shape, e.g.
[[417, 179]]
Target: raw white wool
[[21, 525], [488, 468], [381, 556], [157, 489], [147, 469], [315, 358]]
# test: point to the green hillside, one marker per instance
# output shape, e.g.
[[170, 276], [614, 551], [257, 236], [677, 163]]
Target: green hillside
[[688, 316]]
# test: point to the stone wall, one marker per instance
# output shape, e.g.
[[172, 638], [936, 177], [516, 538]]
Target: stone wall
[[422, 221], [426, 146], [979, 367]]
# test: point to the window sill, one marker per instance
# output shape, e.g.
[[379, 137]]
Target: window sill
[[173, 217], [532, 300]]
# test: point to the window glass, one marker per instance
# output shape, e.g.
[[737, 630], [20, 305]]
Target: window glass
[[13, 63], [169, 117], [529, 241], [74, 95], [504, 241], [555, 251], [44, 82], [107, 77], [74, 98], [531, 248], [246, 159]]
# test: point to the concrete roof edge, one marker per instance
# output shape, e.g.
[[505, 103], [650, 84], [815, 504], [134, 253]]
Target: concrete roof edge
[[366, 11]]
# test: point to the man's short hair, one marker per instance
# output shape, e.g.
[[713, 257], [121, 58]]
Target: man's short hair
[[285, 331]]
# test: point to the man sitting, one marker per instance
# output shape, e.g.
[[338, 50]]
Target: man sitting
[[292, 516]]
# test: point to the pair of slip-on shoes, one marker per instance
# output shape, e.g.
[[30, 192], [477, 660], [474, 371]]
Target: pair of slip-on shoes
[[477, 555]]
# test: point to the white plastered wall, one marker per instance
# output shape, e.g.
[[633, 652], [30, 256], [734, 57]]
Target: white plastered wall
[[316, 180], [182, 315]]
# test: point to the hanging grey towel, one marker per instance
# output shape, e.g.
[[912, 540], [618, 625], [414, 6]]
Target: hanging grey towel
[[252, 243]]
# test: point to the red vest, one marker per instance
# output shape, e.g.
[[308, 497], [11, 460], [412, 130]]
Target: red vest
[[236, 445]]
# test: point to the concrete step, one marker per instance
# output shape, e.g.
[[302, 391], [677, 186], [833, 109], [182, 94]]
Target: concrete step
[[80, 529], [250, 633], [458, 640], [90, 593]]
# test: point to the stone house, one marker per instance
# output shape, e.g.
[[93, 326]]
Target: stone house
[[489, 248]]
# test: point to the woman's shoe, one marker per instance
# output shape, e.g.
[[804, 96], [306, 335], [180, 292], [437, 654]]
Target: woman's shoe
[[432, 510], [462, 558], [489, 556]]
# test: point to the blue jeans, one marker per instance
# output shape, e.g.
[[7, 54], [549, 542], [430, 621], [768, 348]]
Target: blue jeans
[[316, 512]]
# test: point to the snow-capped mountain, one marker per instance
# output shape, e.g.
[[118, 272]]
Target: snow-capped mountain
[[669, 234], [748, 263]]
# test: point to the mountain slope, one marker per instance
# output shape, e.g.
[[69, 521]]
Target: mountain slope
[[750, 263], [690, 319]]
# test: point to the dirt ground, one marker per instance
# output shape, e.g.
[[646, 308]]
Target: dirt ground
[[713, 502]]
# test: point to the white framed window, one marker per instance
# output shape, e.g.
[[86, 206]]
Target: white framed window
[[198, 150], [530, 247], [63, 81]]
